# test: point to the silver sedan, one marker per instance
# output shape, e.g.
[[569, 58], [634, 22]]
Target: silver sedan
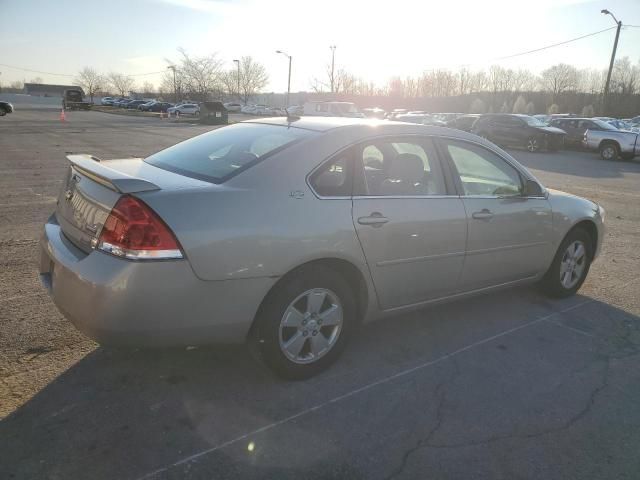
[[288, 234]]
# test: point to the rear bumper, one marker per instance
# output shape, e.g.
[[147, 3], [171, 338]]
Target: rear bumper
[[159, 303]]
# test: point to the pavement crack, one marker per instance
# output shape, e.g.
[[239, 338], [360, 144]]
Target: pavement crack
[[440, 394]]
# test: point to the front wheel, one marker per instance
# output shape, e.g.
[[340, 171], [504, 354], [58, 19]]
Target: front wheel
[[570, 265], [305, 323]]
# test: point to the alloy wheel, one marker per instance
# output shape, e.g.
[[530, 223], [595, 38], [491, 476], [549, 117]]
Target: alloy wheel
[[311, 325], [608, 152], [532, 145], [573, 264]]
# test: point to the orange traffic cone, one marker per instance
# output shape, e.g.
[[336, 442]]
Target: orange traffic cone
[[63, 118]]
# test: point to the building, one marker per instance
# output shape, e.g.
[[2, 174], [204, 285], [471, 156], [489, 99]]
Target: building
[[44, 90]]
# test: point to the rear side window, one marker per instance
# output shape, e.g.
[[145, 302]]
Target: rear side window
[[223, 153]]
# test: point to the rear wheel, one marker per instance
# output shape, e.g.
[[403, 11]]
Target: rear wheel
[[305, 323], [533, 144], [570, 265], [609, 151]]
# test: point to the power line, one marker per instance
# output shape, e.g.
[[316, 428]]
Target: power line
[[555, 44]]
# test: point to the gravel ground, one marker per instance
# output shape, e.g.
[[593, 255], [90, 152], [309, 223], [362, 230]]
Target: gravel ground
[[505, 386]]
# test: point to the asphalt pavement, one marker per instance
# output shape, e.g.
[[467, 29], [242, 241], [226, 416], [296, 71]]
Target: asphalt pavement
[[510, 385]]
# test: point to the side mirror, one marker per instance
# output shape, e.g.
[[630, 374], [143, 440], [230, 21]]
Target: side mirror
[[533, 189]]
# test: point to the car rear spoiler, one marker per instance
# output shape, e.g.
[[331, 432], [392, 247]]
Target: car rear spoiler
[[91, 167]]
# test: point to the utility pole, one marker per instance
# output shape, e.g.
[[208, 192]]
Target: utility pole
[[175, 85], [333, 66], [238, 79], [613, 59], [289, 80]]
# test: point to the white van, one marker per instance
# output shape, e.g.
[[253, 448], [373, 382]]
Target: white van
[[332, 109]]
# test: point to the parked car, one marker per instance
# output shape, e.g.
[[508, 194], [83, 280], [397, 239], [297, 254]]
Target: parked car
[[185, 109], [204, 264], [395, 112], [612, 144], [446, 117], [518, 131], [122, 103], [575, 128], [106, 101], [261, 110], [374, 112], [5, 107], [332, 109], [233, 107], [156, 107], [543, 118], [72, 99], [248, 109], [420, 118], [295, 110], [463, 122], [134, 104], [622, 125]]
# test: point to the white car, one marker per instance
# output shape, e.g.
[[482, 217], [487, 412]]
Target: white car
[[107, 101], [262, 110], [248, 109], [185, 109], [233, 107]]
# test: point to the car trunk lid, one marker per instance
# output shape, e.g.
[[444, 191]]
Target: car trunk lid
[[92, 187]]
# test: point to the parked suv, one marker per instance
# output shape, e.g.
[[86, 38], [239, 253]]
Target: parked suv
[[575, 128], [519, 131]]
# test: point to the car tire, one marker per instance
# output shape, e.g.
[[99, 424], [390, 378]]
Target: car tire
[[570, 265], [289, 322], [609, 151], [533, 144]]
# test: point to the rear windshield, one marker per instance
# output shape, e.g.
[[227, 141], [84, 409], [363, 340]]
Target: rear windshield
[[220, 154]]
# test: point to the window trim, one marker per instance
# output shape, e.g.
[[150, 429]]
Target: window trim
[[404, 138]]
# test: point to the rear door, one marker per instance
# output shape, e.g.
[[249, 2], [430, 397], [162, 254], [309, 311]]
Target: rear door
[[508, 234], [411, 225]]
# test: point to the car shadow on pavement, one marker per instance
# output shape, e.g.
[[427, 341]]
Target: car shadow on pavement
[[124, 413], [578, 163]]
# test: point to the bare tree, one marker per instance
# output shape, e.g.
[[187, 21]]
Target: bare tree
[[201, 75], [90, 80], [36, 80], [253, 78], [588, 111], [553, 109], [520, 105], [121, 83], [559, 79], [17, 84], [625, 77], [148, 88]]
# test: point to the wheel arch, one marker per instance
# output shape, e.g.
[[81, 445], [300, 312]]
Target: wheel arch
[[354, 276], [590, 227], [609, 141]]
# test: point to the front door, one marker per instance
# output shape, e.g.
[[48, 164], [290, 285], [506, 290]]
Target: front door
[[411, 228], [508, 233]]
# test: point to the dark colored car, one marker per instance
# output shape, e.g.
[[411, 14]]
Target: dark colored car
[[464, 122], [575, 128], [135, 103], [122, 103], [156, 107], [5, 107], [518, 131]]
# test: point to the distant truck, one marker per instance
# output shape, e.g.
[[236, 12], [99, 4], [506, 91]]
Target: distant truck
[[332, 109], [612, 143], [72, 99]]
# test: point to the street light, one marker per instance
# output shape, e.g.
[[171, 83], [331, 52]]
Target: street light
[[238, 63], [613, 58], [333, 64], [175, 88], [289, 81]]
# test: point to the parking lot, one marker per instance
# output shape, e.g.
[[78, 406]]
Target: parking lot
[[510, 385]]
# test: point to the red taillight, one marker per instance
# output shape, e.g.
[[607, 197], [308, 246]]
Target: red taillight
[[133, 230]]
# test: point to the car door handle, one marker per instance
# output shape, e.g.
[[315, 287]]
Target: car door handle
[[375, 219], [483, 214]]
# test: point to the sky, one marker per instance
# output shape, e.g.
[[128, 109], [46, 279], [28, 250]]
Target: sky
[[374, 39]]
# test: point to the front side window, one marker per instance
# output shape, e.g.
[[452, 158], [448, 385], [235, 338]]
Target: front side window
[[220, 154], [400, 168], [482, 172]]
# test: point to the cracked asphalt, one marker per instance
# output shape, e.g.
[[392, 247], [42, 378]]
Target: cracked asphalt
[[505, 386]]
